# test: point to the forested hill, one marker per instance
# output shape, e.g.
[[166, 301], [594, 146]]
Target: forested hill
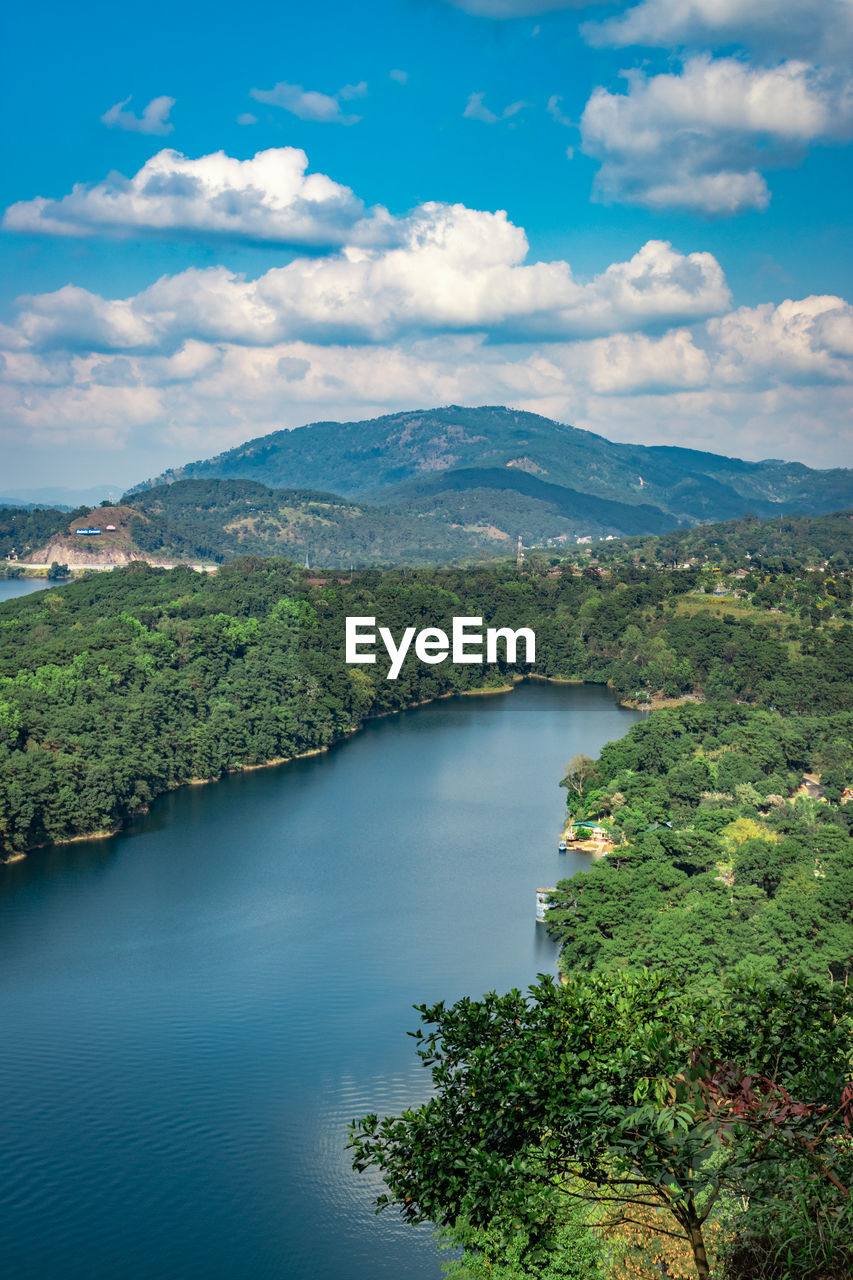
[[216, 520], [509, 463]]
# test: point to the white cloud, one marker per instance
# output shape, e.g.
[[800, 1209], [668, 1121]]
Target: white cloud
[[819, 29], [555, 112], [438, 306], [807, 341], [456, 270], [477, 110], [658, 390], [267, 198], [154, 118], [697, 139], [246, 117], [401, 77], [628, 363], [307, 104]]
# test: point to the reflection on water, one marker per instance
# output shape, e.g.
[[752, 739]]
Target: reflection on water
[[194, 1011]]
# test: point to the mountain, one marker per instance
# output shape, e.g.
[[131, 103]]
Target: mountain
[[504, 471]]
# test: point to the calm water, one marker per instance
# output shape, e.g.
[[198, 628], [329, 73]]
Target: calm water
[[11, 587], [193, 1012]]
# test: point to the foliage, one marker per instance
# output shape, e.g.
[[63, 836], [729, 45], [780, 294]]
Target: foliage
[[578, 1251], [745, 868], [632, 1092], [220, 519]]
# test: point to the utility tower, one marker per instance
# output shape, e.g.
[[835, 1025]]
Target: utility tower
[[519, 559]]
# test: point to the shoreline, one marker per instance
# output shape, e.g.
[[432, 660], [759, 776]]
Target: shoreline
[[301, 755]]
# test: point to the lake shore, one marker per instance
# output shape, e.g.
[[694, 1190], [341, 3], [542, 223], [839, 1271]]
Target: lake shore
[[275, 761]]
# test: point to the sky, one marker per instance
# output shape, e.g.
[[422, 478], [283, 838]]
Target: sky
[[633, 217]]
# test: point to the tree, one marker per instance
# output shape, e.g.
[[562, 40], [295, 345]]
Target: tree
[[631, 1092], [58, 570], [579, 771]]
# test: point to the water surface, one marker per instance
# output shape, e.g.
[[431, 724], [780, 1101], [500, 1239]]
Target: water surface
[[12, 587], [192, 1012]]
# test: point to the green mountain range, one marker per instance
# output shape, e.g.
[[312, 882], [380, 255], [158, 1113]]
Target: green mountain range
[[499, 472], [438, 486]]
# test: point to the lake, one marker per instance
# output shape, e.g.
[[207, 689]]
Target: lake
[[12, 587], [193, 1011]]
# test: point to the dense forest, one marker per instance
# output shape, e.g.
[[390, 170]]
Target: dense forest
[[216, 520], [23, 530], [720, 853], [788, 544]]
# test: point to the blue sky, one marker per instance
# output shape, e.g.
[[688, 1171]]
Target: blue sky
[[634, 218]]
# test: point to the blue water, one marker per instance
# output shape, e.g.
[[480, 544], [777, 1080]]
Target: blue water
[[193, 1012], [12, 587]]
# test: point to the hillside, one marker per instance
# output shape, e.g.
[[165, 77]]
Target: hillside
[[523, 473], [219, 519], [216, 520]]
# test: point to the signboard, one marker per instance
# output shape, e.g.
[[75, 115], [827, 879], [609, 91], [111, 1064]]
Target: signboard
[[87, 531]]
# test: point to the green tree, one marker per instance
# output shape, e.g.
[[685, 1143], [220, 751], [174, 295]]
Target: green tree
[[630, 1091]]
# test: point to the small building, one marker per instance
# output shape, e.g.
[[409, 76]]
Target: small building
[[111, 528], [586, 831]]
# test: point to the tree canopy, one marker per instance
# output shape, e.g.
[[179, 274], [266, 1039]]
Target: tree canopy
[[631, 1091]]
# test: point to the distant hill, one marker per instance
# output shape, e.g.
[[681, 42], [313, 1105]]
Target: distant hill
[[214, 519], [506, 472]]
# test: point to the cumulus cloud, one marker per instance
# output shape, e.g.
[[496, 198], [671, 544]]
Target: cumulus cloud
[[696, 139], [307, 104], [154, 118], [807, 341], [723, 381], [819, 29], [441, 305], [269, 198], [401, 77], [455, 270]]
